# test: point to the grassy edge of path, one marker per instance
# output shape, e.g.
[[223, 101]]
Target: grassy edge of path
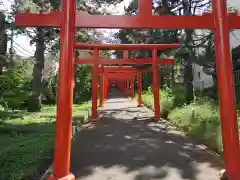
[[27, 141]]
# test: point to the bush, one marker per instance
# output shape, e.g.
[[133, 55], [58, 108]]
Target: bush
[[178, 95], [169, 98], [201, 119], [13, 87]]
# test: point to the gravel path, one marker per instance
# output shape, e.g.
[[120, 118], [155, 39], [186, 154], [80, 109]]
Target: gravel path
[[125, 144]]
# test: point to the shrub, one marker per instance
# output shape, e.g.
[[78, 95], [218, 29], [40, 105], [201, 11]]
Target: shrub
[[169, 98], [201, 119], [178, 95], [13, 87]]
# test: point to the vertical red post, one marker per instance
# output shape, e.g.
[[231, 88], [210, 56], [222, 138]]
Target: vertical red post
[[128, 88], [125, 55], [125, 87], [95, 85], [139, 83], [145, 7], [121, 86], [156, 86], [101, 86], [65, 95], [132, 87], [109, 87], [107, 90], [126, 91], [104, 86], [226, 91]]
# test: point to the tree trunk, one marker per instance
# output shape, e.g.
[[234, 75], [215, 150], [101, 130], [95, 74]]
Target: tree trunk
[[3, 42], [35, 100], [168, 75], [188, 74], [172, 76], [188, 78], [162, 75]]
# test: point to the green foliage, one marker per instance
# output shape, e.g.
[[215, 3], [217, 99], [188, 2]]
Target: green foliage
[[201, 119], [83, 83], [13, 87], [49, 92], [169, 98], [177, 93], [27, 140]]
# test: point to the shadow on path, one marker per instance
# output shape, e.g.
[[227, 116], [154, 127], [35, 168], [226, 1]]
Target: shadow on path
[[126, 145]]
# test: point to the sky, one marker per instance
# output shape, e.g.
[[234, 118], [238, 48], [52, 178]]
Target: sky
[[22, 43]]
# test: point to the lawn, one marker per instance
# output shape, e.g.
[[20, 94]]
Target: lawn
[[199, 118], [27, 141]]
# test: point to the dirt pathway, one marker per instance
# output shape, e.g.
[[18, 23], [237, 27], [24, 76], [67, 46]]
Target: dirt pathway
[[127, 145]]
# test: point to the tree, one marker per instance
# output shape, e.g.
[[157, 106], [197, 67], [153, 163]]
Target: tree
[[3, 42], [41, 37]]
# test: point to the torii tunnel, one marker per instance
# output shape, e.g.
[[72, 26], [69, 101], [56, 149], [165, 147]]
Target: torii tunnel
[[123, 73], [219, 21]]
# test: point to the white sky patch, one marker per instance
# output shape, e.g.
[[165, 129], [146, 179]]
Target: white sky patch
[[234, 3], [21, 43]]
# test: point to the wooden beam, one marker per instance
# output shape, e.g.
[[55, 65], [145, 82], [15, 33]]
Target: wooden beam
[[129, 70], [125, 46], [84, 20], [120, 61]]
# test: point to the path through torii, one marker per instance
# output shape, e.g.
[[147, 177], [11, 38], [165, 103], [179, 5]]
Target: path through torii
[[219, 21]]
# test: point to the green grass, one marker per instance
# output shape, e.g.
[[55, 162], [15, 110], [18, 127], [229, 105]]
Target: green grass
[[169, 98], [200, 118], [27, 140]]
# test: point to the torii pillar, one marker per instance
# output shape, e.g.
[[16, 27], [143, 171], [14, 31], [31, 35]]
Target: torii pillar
[[101, 100], [61, 167], [156, 85], [228, 117], [132, 88], [95, 86], [139, 84]]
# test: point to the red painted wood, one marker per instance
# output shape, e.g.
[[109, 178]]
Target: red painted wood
[[156, 86], [95, 87], [145, 8], [132, 88], [226, 91], [120, 61], [65, 95], [125, 47], [139, 85], [101, 100], [84, 20]]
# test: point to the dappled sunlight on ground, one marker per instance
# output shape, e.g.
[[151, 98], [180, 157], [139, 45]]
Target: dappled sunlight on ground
[[126, 144]]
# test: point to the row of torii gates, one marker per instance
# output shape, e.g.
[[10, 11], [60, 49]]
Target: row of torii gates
[[219, 21], [123, 76]]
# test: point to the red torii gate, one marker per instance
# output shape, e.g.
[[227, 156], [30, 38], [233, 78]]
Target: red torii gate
[[124, 77], [219, 21], [96, 60], [124, 84]]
